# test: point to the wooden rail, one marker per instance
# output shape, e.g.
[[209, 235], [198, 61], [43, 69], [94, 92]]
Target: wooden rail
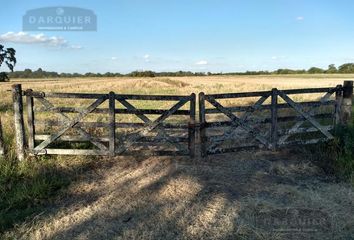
[[270, 128], [145, 137], [266, 124]]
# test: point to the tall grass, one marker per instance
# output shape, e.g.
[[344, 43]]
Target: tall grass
[[337, 156], [25, 186]]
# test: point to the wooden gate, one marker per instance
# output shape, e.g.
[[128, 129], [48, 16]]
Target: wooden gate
[[268, 122], [109, 135]]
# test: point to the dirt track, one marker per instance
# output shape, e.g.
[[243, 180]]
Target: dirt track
[[164, 198]]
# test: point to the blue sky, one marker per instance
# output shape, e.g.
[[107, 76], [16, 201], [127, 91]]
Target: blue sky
[[195, 35]]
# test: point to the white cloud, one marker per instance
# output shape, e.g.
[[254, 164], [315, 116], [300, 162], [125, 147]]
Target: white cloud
[[202, 62], [114, 58], [75, 47], [278, 57], [147, 57], [300, 18], [25, 38]]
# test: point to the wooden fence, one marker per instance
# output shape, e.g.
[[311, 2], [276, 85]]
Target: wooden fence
[[267, 123], [261, 126], [139, 138]]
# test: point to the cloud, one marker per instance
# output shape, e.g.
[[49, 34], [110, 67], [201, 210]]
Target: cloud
[[114, 58], [278, 57], [300, 18], [202, 62], [41, 39], [147, 57]]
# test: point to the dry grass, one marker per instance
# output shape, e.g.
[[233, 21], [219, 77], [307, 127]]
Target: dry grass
[[165, 198], [174, 198]]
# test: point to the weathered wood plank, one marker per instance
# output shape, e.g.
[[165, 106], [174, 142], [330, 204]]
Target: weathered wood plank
[[106, 111], [339, 97], [274, 117], [84, 152], [71, 123], [324, 99], [65, 118], [347, 102], [234, 149], [237, 95], [269, 120], [106, 125], [18, 120], [191, 124], [148, 139], [150, 97], [302, 130], [238, 122], [78, 125], [69, 95], [230, 132], [112, 124], [147, 121], [30, 120], [153, 153], [309, 90], [162, 140], [134, 137], [68, 138], [269, 106], [305, 115], [303, 142], [202, 125]]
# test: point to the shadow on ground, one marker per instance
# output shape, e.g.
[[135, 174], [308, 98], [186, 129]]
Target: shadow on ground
[[217, 198]]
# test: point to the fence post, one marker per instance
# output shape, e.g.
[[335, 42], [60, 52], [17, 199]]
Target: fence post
[[274, 117], [2, 145], [30, 120], [112, 124], [191, 127], [19, 124], [202, 122], [346, 106], [339, 97]]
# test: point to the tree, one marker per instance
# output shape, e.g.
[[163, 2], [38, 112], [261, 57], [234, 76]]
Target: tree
[[315, 70], [8, 56], [331, 69], [346, 68]]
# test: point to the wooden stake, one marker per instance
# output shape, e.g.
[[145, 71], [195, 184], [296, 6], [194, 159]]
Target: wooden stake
[[112, 124], [202, 122], [346, 107], [191, 127], [274, 117], [18, 119], [30, 120]]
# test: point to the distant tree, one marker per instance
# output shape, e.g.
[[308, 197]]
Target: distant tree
[[346, 68], [332, 69], [8, 56], [314, 70]]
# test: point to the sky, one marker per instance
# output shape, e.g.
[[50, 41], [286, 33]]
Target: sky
[[189, 35]]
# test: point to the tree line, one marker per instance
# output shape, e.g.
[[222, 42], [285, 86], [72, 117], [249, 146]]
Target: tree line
[[39, 73]]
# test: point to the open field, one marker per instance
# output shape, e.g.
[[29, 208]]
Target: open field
[[175, 198]]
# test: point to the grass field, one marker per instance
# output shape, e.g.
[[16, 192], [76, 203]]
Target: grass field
[[164, 197]]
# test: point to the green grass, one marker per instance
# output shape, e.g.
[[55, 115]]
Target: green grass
[[26, 186], [337, 157]]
